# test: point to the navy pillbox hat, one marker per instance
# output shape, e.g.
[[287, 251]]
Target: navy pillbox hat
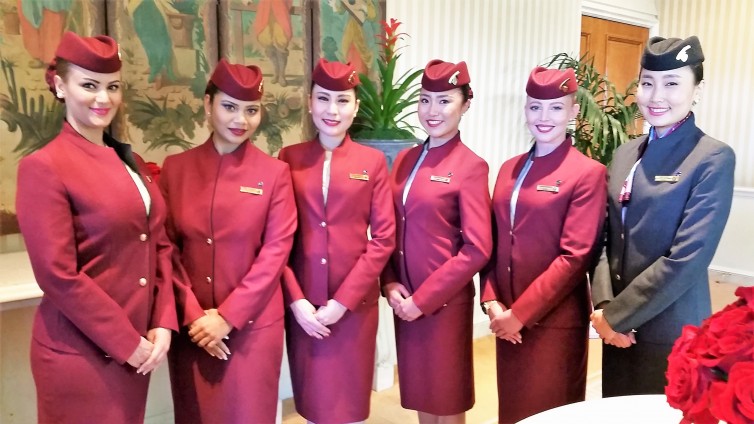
[[664, 54]]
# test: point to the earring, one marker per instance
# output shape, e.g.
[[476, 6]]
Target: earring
[[694, 102], [59, 94]]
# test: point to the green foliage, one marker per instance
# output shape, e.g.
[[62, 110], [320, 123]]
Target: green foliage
[[38, 120], [280, 113], [165, 126], [606, 116], [383, 106]]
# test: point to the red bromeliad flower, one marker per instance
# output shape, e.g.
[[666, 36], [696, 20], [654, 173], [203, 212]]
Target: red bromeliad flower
[[391, 37]]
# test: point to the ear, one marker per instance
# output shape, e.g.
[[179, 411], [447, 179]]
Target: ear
[[466, 106], [58, 82], [698, 90], [358, 102], [575, 110], [207, 105]]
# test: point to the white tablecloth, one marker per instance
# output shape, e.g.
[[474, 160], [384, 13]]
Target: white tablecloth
[[640, 409]]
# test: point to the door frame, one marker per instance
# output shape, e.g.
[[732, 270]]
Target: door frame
[[612, 12]]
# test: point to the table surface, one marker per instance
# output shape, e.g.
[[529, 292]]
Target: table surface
[[644, 409]]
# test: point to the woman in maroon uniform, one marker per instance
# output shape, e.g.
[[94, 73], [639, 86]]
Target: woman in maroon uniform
[[231, 217], [442, 207], [549, 206], [93, 222], [342, 194]]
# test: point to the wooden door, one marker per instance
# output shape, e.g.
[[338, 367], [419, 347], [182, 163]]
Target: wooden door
[[616, 49]]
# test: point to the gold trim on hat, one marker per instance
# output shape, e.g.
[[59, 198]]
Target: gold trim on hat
[[352, 77], [454, 78], [564, 85], [261, 86]]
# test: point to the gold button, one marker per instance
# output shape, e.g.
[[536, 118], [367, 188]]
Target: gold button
[[509, 269], [323, 224], [323, 261], [209, 280], [142, 281], [403, 218], [617, 277], [209, 241], [143, 237], [400, 252], [510, 232], [251, 322]]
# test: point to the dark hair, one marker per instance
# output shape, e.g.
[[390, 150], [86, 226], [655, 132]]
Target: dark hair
[[698, 70], [58, 67], [211, 90], [466, 92]]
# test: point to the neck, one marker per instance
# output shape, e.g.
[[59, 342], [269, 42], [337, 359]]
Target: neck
[[93, 135], [437, 142], [330, 143], [544, 149], [223, 148]]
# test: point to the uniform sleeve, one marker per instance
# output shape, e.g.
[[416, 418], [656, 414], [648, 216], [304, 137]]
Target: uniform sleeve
[[488, 274], [255, 290], [447, 280], [187, 306], [583, 222], [46, 221], [602, 286], [291, 288], [690, 254], [366, 271]]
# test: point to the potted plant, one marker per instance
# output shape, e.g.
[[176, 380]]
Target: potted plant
[[606, 117], [381, 120]]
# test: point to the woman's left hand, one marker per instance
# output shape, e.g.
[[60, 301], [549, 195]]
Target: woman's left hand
[[330, 313], [407, 310], [507, 326], [160, 338], [209, 329]]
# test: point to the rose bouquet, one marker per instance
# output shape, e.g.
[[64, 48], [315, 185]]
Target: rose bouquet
[[711, 367]]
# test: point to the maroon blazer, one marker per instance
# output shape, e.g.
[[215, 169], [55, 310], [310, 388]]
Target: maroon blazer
[[539, 266], [102, 262], [443, 234], [232, 219], [332, 257]]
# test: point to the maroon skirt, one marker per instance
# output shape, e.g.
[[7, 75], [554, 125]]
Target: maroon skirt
[[243, 389], [332, 378], [435, 360], [74, 388]]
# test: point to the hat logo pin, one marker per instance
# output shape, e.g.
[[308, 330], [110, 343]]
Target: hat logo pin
[[454, 78], [682, 55], [352, 77], [564, 85]]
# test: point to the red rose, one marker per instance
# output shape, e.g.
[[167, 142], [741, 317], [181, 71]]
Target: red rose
[[733, 402], [688, 381], [154, 169], [746, 293], [728, 338]]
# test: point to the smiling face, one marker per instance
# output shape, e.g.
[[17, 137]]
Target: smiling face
[[233, 121], [666, 97], [440, 113], [332, 112], [91, 98], [548, 120]]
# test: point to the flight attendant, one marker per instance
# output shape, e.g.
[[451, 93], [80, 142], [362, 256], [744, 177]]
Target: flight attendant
[[442, 208], [93, 222], [231, 217], [669, 196], [342, 194], [549, 207]]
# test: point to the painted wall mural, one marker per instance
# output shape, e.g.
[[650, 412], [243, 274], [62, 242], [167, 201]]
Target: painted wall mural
[[169, 48]]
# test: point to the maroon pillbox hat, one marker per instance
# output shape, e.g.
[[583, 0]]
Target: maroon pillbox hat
[[96, 54], [545, 84], [444, 76], [238, 81], [335, 76]]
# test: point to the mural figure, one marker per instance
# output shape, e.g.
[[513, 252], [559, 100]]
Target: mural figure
[[272, 27], [150, 27], [42, 24]]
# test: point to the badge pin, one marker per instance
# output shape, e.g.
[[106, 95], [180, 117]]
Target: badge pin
[[252, 190], [149, 179], [454, 78], [668, 178], [548, 188], [439, 179], [364, 176]]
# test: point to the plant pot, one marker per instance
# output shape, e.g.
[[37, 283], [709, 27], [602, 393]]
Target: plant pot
[[390, 148], [181, 28]]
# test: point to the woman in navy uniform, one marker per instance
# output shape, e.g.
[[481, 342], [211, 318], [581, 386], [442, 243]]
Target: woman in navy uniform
[[442, 208], [549, 207], [231, 217], [669, 196], [93, 222], [342, 194]]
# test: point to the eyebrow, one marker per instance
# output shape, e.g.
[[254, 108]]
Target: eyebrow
[[225, 101]]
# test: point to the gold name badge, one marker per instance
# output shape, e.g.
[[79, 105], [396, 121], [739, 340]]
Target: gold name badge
[[667, 178], [251, 190], [362, 177], [551, 189], [439, 179]]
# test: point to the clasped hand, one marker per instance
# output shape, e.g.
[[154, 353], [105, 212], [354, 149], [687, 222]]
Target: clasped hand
[[504, 323], [151, 351], [607, 333], [399, 298], [209, 331]]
